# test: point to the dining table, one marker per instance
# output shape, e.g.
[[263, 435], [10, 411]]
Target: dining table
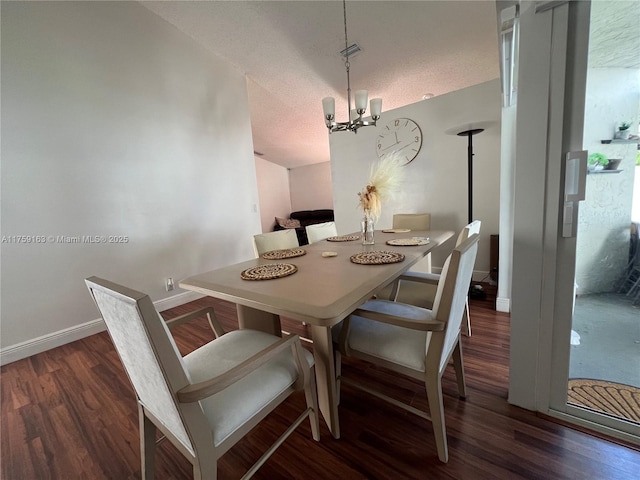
[[321, 285]]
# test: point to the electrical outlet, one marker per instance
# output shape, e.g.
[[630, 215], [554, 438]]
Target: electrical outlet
[[169, 284]]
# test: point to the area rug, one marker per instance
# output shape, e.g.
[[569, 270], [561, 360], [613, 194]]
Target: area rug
[[616, 399]]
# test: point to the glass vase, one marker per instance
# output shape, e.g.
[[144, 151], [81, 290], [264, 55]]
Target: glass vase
[[367, 227]]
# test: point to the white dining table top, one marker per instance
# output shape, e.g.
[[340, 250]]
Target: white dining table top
[[324, 290]]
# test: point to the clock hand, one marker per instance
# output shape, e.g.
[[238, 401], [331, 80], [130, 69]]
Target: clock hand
[[390, 146], [405, 147]]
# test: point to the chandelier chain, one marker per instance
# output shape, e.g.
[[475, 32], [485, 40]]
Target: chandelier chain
[[346, 60]]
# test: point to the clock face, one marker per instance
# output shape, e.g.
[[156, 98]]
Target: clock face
[[402, 137]]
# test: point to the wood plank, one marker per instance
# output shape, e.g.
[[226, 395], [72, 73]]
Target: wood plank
[[71, 413]]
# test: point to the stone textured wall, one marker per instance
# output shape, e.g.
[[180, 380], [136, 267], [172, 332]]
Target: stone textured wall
[[605, 216]]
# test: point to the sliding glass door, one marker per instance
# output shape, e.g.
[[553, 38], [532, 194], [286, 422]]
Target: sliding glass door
[[560, 242]]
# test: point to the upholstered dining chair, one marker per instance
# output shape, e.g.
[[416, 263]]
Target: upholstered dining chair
[[278, 240], [415, 221], [416, 288], [320, 231], [414, 341], [412, 221], [206, 401]]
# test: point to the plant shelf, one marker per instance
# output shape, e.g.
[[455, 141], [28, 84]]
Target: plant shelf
[[593, 172], [618, 140]]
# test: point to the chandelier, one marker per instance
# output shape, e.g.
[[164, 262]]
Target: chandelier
[[329, 103]]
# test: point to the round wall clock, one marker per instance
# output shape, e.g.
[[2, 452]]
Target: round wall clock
[[401, 137]]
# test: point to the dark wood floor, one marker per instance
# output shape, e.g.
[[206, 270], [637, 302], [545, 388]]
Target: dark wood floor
[[70, 413]]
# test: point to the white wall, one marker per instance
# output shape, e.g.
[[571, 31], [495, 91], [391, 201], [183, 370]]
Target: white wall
[[602, 249], [311, 187], [114, 123], [436, 180], [273, 190]]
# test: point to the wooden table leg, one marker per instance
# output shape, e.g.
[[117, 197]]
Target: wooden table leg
[[326, 377], [258, 320]]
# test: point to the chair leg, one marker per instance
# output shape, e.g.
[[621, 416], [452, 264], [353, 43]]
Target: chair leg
[[458, 365], [436, 409], [466, 318], [312, 402], [147, 445], [338, 362], [205, 469]]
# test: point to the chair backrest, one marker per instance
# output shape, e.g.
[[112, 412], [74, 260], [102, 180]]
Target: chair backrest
[[279, 240], [147, 351], [412, 221], [467, 231], [320, 231], [450, 300]]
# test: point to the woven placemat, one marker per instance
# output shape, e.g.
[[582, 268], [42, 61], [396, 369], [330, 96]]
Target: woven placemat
[[376, 258], [282, 254], [269, 272], [344, 238], [407, 242]]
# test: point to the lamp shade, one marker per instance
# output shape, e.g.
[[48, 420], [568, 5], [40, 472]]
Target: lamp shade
[[329, 106], [361, 99], [376, 107]]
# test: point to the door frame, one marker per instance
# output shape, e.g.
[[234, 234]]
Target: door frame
[[554, 39]]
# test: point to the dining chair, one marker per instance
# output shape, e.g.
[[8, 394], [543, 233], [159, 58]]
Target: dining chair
[[415, 221], [415, 341], [416, 288], [411, 221], [320, 231], [206, 401], [278, 240]]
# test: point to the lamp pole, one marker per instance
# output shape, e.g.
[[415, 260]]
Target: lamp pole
[[469, 134]]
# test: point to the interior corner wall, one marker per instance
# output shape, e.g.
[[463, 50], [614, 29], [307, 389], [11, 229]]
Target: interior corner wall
[[274, 192], [311, 187], [126, 154], [436, 180]]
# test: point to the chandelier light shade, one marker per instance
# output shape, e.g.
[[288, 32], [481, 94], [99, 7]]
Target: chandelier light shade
[[361, 96]]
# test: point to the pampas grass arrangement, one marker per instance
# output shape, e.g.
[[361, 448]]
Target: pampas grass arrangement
[[385, 179]]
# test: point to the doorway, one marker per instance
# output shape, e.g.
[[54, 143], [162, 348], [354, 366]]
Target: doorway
[[604, 370], [552, 138]]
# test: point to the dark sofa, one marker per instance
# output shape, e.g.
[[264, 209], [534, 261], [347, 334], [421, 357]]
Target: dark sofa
[[307, 217]]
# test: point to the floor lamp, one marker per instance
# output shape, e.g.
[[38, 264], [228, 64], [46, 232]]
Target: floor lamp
[[469, 134], [475, 291]]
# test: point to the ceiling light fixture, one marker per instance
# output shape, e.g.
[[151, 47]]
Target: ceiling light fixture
[[329, 103]]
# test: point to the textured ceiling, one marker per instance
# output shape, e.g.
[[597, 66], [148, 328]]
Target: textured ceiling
[[289, 51], [614, 39]]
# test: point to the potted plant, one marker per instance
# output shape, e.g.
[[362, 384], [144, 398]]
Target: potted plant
[[623, 131], [597, 161], [613, 163]]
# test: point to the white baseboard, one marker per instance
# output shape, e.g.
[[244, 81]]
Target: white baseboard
[[176, 300], [503, 305], [62, 337], [49, 341]]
